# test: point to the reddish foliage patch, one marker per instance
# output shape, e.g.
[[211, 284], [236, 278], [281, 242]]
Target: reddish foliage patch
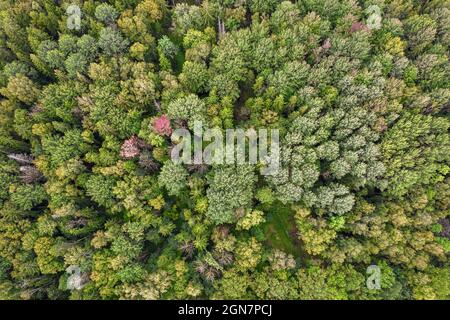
[[130, 148], [161, 126], [358, 26]]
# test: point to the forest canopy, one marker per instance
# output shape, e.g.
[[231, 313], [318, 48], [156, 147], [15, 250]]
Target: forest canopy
[[93, 207]]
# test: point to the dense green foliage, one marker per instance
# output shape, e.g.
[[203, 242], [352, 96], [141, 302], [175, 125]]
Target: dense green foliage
[[87, 183]]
